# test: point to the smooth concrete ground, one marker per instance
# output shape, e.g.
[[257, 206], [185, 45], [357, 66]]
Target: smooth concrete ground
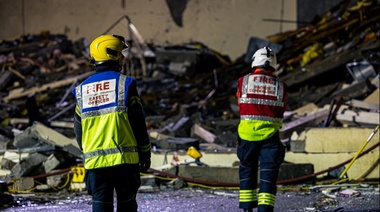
[[209, 200]]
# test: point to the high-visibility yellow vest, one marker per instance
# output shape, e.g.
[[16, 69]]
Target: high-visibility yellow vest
[[107, 137]]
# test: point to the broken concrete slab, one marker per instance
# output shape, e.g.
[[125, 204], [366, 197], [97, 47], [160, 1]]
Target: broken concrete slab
[[26, 166], [363, 105], [211, 174], [45, 136], [357, 118], [230, 175], [374, 97], [324, 140], [323, 161], [52, 162], [23, 184]]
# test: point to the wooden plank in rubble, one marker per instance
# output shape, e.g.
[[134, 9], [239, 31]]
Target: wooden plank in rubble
[[15, 95], [300, 124]]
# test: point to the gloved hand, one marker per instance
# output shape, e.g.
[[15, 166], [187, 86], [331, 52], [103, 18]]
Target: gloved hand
[[144, 161], [144, 164]]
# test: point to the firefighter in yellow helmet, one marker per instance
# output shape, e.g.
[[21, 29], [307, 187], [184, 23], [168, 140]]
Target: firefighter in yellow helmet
[[110, 129], [262, 101]]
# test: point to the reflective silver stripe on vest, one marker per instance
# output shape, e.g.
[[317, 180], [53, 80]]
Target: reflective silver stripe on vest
[[244, 87], [262, 118], [120, 95], [78, 91], [261, 102], [109, 152], [103, 111]]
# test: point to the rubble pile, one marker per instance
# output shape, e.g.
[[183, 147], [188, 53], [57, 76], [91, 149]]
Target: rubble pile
[[188, 90]]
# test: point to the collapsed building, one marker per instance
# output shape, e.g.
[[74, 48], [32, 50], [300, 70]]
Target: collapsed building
[[331, 66]]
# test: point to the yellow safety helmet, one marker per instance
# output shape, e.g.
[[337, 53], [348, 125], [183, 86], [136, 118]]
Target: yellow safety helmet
[[107, 47]]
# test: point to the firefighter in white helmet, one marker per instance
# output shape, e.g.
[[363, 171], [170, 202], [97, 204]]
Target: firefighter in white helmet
[[262, 101], [110, 129]]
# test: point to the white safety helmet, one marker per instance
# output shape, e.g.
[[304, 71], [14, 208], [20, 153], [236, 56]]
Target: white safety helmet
[[264, 58]]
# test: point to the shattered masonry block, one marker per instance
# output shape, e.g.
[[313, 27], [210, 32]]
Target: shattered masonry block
[[7, 164], [15, 157], [23, 184], [77, 186], [27, 165], [53, 161], [58, 180], [26, 139]]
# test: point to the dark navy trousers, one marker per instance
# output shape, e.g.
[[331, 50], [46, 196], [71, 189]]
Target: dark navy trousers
[[122, 179], [267, 155]]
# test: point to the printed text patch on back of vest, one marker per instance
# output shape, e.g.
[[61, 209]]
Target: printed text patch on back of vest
[[262, 85], [99, 93]]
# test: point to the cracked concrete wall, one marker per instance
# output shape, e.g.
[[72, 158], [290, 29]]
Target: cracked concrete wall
[[223, 25]]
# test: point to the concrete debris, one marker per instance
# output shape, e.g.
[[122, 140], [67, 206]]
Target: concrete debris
[[331, 66]]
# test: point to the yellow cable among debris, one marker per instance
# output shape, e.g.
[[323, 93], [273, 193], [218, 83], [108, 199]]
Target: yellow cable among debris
[[57, 188]]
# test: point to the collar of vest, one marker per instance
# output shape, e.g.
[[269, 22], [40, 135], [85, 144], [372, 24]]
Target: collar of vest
[[262, 71], [109, 66]]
